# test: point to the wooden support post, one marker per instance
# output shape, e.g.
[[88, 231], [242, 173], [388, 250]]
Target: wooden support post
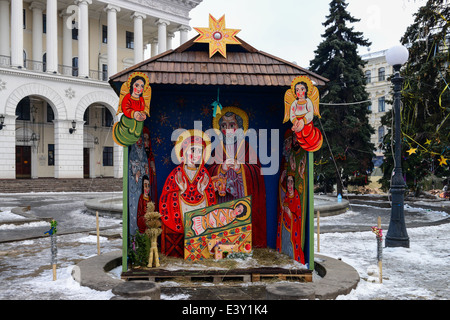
[[318, 231], [380, 261], [98, 235], [54, 272]]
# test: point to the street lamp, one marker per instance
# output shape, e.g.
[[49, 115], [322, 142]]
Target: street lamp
[[2, 121], [397, 235], [73, 129]]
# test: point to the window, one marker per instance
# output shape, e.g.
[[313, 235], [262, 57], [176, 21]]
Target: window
[[24, 19], [75, 66], [130, 40], [86, 117], [107, 118], [380, 134], [107, 156], [369, 107], [381, 74], [381, 104], [74, 30], [50, 114], [24, 59], [23, 109], [51, 154], [104, 72], [44, 23], [368, 76], [105, 34], [44, 62]]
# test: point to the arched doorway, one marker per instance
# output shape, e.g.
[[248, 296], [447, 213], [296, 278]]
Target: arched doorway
[[98, 144], [34, 138]]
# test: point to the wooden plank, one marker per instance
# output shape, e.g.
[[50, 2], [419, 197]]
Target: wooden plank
[[211, 272], [297, 277], [206, 79], [233, 79], [240, 79], [213, 78], [172, 78]]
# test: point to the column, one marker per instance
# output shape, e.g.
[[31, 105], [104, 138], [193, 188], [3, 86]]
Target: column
[[34, 161], [118, 161], [154, 47], [37, 8], [83, 38], [162, 35], [8, 147], [112, 38], [138, 36], [52, 36], [17, 34], [67, 42], [170, 36], [184, 34], [4, 31]]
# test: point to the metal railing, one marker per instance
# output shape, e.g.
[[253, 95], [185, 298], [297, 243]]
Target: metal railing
[[39, 66]]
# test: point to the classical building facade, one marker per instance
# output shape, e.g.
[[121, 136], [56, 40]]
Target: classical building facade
[[377, 72], [56, 106]]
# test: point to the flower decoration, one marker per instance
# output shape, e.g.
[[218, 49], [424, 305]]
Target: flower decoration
[[378, 231]]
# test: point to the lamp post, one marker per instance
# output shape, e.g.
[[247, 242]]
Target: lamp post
[[397, 235]]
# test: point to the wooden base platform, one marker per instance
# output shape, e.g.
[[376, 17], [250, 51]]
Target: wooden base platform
[[218, 276]]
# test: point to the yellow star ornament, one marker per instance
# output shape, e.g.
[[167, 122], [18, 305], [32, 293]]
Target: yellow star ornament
[[411, 151], [442, 161], [217, 36]]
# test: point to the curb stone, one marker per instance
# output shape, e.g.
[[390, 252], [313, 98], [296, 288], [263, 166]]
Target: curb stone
[[337, 278]]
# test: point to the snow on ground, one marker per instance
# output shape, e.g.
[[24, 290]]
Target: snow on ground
[[7, 215], [418, 272]]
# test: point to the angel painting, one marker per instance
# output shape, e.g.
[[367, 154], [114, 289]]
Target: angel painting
[[301, 104], [134, 103]]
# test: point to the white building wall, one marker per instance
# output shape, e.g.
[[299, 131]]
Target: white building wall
[[70, 95], [376, 89], [8, 147]]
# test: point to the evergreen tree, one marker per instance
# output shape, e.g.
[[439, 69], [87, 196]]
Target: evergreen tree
[[345, 123], [425, 99]]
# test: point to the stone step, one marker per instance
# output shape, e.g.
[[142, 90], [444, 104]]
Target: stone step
[[60, 185]]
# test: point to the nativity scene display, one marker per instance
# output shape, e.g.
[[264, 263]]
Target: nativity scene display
[[204, 194]]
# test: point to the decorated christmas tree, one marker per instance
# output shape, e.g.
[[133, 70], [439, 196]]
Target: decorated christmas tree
[[347, 152], [425, 110]]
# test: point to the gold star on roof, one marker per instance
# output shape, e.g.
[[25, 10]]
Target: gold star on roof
[[217, 36]]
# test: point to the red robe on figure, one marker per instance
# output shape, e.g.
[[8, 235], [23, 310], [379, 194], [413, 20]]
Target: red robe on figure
[[151, 172], [172, 201], [293, 224], [253, 185], [130, 105], [310, 138], [141, 210]]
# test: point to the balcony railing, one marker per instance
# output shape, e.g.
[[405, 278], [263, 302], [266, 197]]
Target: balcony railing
[[39, 66]]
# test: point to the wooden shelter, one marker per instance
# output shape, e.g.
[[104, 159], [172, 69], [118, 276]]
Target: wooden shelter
[[185, 82]]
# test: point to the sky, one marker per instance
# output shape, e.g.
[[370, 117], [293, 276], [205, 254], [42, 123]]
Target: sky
[[292, 29]]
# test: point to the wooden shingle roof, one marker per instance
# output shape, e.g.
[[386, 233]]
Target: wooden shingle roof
[[190, 64]]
